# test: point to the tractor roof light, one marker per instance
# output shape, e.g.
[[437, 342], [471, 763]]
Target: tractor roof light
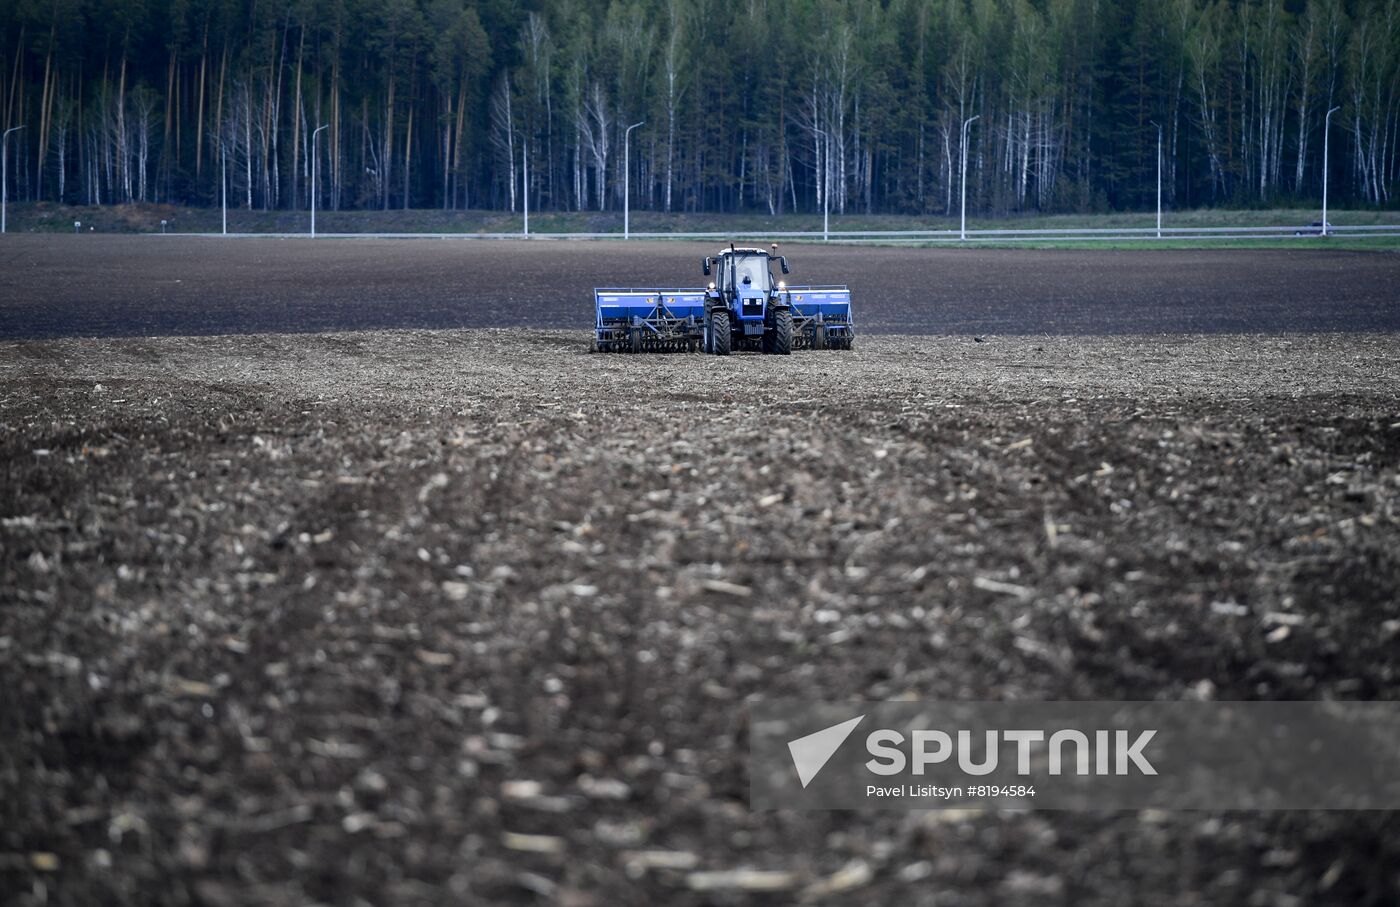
[[782, 284], [712, 284]]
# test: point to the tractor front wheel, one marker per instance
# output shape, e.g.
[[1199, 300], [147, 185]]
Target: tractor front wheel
[[719, 332], [781, 342]]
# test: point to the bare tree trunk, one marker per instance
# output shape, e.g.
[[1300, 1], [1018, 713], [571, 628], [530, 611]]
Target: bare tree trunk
[[219, 101], [272, 117], [503, 133], [62, 124], [14, 80], [143, 111], [457, 148], [168, 133], [596, 128], [387, 163], [248, 139], [446, 150], [407, 157], [45, 102], [123, 150], [199, 116], [674, 67], [334, 134], [296, 117], [947, 169]]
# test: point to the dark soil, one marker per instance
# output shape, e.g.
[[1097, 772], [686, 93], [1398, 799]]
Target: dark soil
[[53, 286], [431, 617]]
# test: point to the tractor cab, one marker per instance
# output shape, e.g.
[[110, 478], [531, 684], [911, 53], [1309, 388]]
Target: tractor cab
[[745, 273]]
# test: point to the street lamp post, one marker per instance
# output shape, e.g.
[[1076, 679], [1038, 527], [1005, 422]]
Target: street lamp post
[[5, 173], [626, 180], [315, 159], [1326, 138], [1159, 176], [967, 124]]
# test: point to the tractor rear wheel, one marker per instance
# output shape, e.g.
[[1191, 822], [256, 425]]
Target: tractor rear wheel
[[782, 332], [719, 332]]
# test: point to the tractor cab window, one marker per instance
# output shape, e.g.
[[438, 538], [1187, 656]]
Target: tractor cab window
[[750, 271]]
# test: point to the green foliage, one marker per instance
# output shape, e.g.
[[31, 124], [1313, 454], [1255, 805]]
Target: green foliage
[[764, 106]]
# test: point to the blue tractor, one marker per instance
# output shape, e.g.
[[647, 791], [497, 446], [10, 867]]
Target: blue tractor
[[743, 308]]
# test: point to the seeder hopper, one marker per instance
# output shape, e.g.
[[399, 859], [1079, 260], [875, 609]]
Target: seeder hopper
[[743, 308]]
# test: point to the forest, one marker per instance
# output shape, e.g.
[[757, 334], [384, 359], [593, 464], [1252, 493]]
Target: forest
[[757, 105]]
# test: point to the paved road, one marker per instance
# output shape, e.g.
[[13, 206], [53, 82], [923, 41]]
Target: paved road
[[148, 285]]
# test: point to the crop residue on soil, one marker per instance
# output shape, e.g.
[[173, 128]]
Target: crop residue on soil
[[422, 617]]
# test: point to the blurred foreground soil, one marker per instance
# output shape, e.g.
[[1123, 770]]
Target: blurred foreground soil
[[451, 616]]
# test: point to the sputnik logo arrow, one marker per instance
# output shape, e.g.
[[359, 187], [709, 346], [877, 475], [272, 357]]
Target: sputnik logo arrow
[[810, 753]]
